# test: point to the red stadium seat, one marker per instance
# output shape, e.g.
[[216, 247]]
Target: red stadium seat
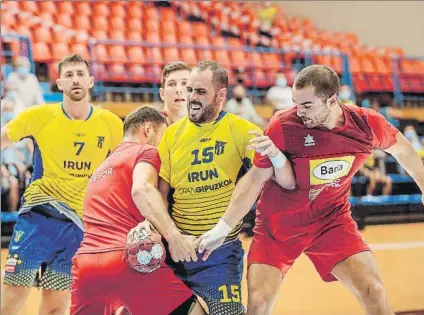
[[8, 19], [222, 57], [42, 34], [100, 54], [137, 73], [135, 25], [153, 55], [25, 31], [82, 22], [116, 35], [29, 6], [59, 51], [64, 20], [184, 27], [135, 36], [136, 55], [100, 8], [80, 49], [205, 54], [272, 61], [66, 7], [116, 72], [118, 9], [167, 27], [239, 59], [152, 13], [100, 35], [100, 23], [153, 37], [169, 38], [41, 52], [59, 36], [200, 29], [83, 8], [48, 6], [167, 14], [118, 23], [201, 40], [188, 55], [152, 26], [135, 10], [170, 54], [187, 39], [117, 54]]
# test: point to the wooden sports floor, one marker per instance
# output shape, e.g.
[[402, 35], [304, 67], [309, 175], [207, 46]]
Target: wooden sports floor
[[400, 254]]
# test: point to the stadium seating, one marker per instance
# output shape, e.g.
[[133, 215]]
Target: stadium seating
[[371, 68]]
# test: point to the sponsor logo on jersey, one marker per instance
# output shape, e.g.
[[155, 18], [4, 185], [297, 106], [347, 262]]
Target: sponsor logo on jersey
[[309, 141], [325, 171]]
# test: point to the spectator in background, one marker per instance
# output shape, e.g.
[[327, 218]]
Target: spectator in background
[[411, 134], [386, 111], [375, 176], [346, 95], [12, 95], [241, 105], [26, 83], [9, 186], [280, 95]]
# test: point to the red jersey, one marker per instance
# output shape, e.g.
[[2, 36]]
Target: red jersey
[[324, 162], [109, 210]]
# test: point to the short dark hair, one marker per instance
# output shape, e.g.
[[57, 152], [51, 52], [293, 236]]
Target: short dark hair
[[140, 116], [219, 74], [324, 79], [74, 58], [173, 66]]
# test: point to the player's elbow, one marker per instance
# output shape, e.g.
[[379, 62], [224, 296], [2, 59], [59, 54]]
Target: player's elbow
[[260, 176], [141, 191], [287, 183]]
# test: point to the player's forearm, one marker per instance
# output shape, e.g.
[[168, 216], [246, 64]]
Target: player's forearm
[[244, 196], [150, 204], [285, 176], [413, 164]]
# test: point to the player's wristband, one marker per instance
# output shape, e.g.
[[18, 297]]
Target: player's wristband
[[279, 161], [222, 229]]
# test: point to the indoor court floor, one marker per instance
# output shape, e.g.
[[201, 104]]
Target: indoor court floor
[[399, 250]]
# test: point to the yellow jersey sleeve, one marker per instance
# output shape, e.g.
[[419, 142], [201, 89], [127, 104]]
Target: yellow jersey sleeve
[[28, 123], [116, 127], [165, 156], [242, 137]]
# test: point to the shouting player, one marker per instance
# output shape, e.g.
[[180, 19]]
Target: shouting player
[[123, 192], [71, 140], [174, 91], [327, 142], [202, 157]]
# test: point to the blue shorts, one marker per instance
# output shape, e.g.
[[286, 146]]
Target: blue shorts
[[217, 280], [41, 249]]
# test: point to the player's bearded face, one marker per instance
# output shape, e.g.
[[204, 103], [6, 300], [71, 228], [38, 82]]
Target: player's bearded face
[[75, 81], [312, 109], [201, 112]]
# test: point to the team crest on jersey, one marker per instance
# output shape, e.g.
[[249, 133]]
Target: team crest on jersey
[[219, 147], [309, 141], [100, 141], [326, 171]]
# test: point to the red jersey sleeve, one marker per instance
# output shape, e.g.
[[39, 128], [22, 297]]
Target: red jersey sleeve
[[149, 155], [384, 132], [275, 133]]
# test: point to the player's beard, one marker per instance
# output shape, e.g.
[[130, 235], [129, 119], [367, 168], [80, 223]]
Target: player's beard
[[76, 96], [318, 120], [206, 113]]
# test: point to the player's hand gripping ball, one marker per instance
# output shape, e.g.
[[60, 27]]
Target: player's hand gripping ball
[[144, 250]]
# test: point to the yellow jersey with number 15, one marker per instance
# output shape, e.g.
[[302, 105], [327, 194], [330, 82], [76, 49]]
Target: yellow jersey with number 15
[[66, 153], [202, 164]]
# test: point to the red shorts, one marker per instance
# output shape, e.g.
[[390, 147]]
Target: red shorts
[[334, 242], [103, 279]]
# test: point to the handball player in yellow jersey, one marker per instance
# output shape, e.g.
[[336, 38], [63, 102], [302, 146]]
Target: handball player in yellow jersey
[[71, 139]]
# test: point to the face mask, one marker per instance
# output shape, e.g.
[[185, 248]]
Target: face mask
[[344, 95], [23, 71], [7, 116], [11, 95], [410, 135], [281, 82], [240, 80], [238, 99]]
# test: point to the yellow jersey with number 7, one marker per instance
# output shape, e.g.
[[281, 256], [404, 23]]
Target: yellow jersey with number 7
[[66, 153]]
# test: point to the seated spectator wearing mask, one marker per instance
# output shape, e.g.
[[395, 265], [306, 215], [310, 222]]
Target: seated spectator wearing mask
[[26, 83], [345, 95], [13, 96], [280, 95], [241, 105], [411, 134]]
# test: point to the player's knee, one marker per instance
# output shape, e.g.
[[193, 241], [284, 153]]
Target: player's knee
[[54, 302], [258, 300], [374, 293]]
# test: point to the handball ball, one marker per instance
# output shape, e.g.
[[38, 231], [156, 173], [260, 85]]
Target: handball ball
[[145, 253]]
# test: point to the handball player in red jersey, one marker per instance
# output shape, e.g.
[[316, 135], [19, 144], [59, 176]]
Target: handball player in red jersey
[[122, 193], [174, 91], [327, 143]]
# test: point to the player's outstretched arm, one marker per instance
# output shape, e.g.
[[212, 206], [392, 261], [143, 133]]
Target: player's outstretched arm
[[408, 158], [244, 196], [150, 204], [283, 169], [5, 141]]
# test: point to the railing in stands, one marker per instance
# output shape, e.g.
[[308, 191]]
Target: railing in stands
[[24, 47]]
